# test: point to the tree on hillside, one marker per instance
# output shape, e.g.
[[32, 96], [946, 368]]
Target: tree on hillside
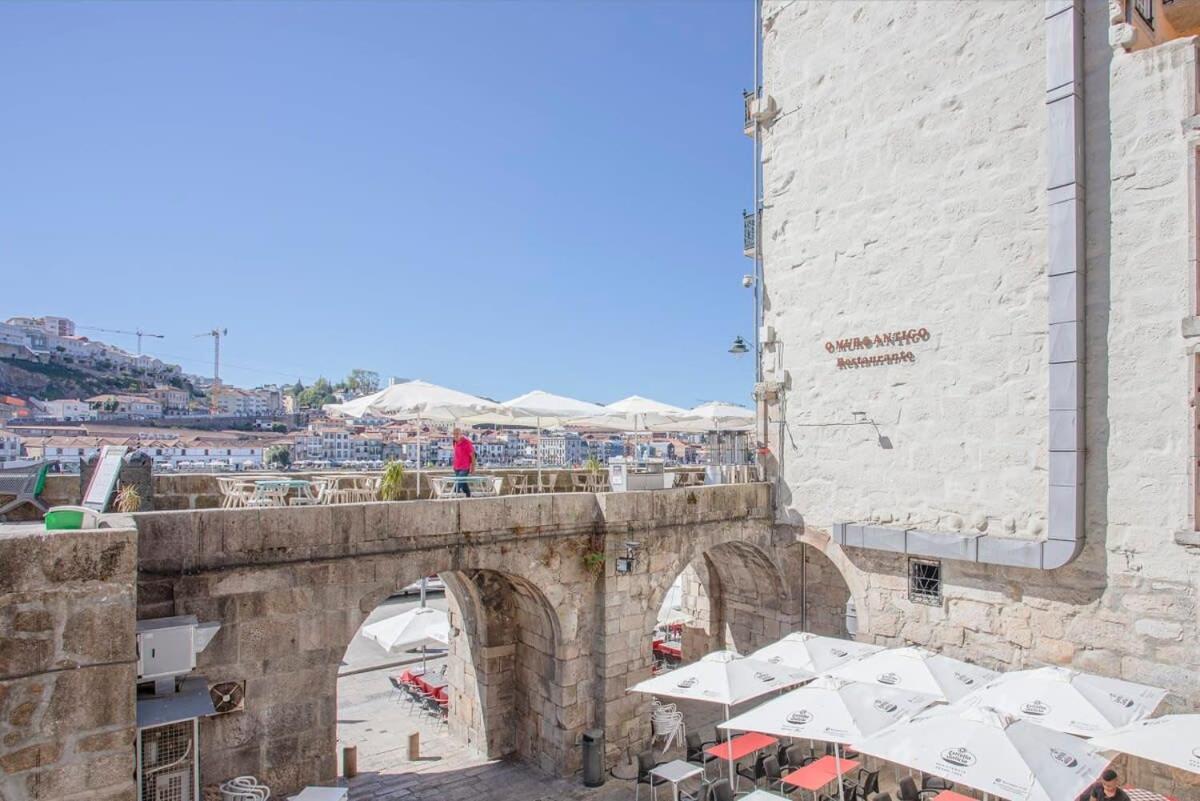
[[278, 456], [317, 395], [362, 382]]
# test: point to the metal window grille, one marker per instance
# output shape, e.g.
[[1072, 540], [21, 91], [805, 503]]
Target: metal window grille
[[750, 231], [925, 582], [748, 98], [167, 762], [1145, 10]]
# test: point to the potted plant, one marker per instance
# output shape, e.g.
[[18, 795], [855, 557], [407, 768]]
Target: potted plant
[[391, 487], [128, 499]]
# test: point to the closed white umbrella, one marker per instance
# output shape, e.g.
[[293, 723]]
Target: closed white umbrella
[[722, 677], [918, 670], [1069, 701], [832, 710], [994, 753], [813, 652], [1171, 740]]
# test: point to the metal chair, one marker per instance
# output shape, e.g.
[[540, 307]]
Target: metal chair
[[907, 790], [755, 770], [772, 772], [864, 782], [935, 783], [695, 752], [547, 481]]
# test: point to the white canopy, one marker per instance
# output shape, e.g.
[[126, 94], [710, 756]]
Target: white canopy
[[918, 670], [411, 629], [722, 677], [1171, 740], [636, 404], [813, 652], [634, 413], [712, 416], [992, 752], [539, 408], [831, 710], [1069, 701], [418, 400]]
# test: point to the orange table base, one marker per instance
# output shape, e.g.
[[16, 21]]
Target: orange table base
[[817, 774]]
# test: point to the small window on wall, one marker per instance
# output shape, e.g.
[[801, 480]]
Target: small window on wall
[[925, 582]]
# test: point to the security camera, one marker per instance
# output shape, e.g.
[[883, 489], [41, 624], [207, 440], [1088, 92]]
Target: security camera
[[747, 281]]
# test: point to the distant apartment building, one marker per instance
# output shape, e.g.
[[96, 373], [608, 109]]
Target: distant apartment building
[[563, 449], [249, 402], [10, 447], [126, 405], [366, 447], [173, 399], [56, 326], [323, 443], [72, 410], [170, 452]]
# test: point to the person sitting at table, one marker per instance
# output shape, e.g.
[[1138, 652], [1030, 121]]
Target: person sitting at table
[[1107, 789], [464, 461]]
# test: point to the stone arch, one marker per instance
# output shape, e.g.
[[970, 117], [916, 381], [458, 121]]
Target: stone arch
[[502, 661], [831, 563]]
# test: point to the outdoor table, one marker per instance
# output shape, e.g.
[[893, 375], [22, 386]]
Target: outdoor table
[[950, 795], [675, 772], [763, 795], [434, 685], [283, 483], [321, 794], [815, 775], [668, 648], [1137, 794], [733, 750], [446, 487]]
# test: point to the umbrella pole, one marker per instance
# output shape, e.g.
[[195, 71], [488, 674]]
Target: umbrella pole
[[418, 457], [729, 752], [837, 765], [539, 453]]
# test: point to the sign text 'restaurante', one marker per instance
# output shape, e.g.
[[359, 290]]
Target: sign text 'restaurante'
[[887, 339]]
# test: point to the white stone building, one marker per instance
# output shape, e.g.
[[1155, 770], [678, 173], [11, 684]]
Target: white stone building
[[980, 330], [10, 447], [70, 410]]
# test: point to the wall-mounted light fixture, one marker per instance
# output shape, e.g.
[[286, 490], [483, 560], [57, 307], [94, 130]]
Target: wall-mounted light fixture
[[625, 563], [739, 347]]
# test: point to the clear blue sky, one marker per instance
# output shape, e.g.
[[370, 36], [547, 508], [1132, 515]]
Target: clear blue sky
[[495, 196]]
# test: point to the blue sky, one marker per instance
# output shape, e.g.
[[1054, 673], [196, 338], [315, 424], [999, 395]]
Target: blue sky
[[495, 196]]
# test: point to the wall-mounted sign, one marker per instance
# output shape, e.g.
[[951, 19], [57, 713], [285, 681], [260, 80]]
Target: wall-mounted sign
[[871, 342]]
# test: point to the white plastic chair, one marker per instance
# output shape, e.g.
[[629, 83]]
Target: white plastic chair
[[244, 788], [667, 723]]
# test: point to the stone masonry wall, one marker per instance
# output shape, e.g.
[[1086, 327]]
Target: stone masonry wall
[[67, 671], [552, 647], [905, 187]]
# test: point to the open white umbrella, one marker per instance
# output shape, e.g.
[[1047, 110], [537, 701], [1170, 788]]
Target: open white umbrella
[[813, 652], [420, 401], [1069, 701], [919, 670], [407, 630], [722, 677], [995, 753], [635, 414], [539, 408], [832, 710], [714, 417], [1171, 740]]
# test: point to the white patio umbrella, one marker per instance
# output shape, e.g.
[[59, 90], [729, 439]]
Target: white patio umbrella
[[420, 401], [832, 710], [813, 652], [407, 630], [919, 670], [722, 677], [1069, 701], [1171, 740], [635, 414], [539, 408], [994, 753]]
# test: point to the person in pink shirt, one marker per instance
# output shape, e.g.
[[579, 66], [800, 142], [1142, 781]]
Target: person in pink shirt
[[463, 461]]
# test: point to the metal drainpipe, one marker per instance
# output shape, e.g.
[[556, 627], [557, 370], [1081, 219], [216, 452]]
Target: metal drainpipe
[[1066, 261]]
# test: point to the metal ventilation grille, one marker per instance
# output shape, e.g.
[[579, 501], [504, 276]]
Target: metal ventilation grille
[[168, 762], [925, 582]]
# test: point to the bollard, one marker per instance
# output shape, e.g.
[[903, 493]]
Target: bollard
[[414, 746], [350, 761]]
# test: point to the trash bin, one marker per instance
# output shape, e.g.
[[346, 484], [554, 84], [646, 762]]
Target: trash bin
[[593, 757]]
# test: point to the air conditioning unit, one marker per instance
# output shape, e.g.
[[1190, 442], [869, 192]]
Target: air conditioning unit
[[167, 646], [167, 767]]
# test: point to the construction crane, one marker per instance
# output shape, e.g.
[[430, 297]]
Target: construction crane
[[138, 333], [215, 396]]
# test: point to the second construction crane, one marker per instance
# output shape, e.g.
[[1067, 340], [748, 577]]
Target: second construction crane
[[215, 395]]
